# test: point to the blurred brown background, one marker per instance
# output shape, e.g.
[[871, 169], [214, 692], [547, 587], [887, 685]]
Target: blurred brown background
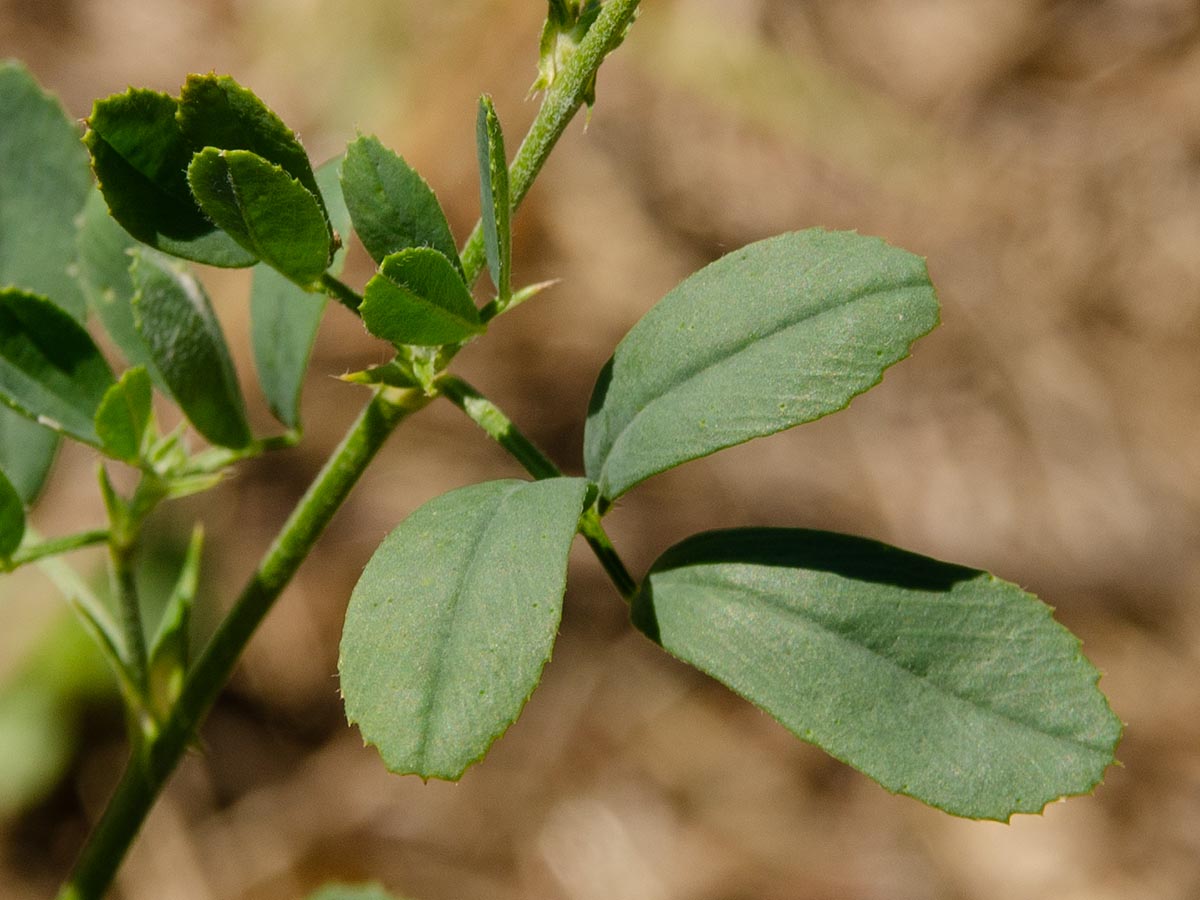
[[1045, 157]]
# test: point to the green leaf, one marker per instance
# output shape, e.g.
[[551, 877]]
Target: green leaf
[[169, 649], [140, 157], [12, 518], [939, 682], [391, 205], [352, 892], [103, 258], [123, 418], [43, 184], [176, 321], [781, 332], [418, 298], [284, 317], [216, 111], [494, 200], [26, 452], [50, 370], [453, 619], [264, 209]]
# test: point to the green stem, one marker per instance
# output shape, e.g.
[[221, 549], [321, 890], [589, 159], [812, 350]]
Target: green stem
[[57, 546], [484, 413], [593, 532], [137, 660], [149, 768], [341, 292], [559, 105]]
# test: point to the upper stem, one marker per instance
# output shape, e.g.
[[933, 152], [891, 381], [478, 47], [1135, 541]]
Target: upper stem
[[559, 105], [484, 413]]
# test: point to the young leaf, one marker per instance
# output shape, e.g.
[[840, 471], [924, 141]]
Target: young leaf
[[216, 111], [140, 157], [391, 205], [939, 682], [494, 198], [453, 619], [27, 451], [176, 321], [781, 332], [418, 298], [169, 649], [50, 370], [264, 209], [12, 518], [284, 317], [124, 416], [43, 184]]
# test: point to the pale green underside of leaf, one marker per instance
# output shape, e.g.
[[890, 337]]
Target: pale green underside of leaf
[[43, 184], [50, 370], [284, 318], [392, 206], [183, 337], [781, 332], [453, 619], [103, 257], [419, 298], [939, 682], [267, 211]]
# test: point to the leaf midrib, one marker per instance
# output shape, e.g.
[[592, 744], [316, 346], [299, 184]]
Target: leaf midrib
[[711, 363], [763, 599], [427, 713]]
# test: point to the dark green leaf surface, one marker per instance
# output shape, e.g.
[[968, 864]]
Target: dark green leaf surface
[[391, 205], [494, 198], [184, 339], [940, 682], [776, 334], [453, 619], [264, 209], [43, 184], [140, 157], [12, 518], [216, 111], [26, 453], [419, 298], [124, 415], [284, 317], [49, 368]]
